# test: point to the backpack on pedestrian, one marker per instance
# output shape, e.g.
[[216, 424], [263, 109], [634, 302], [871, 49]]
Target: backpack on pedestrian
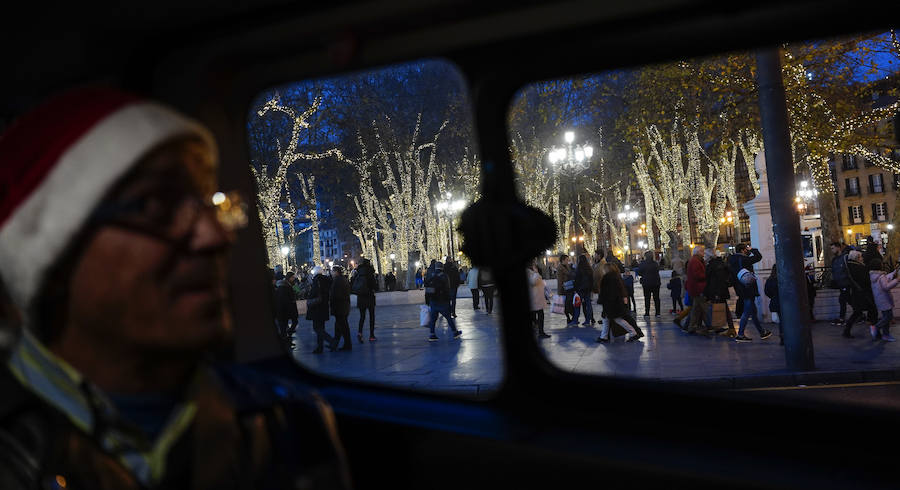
[[840, 273], [746, 277]]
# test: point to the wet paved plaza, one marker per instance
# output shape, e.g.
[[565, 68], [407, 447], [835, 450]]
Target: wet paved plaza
[[474, 364]]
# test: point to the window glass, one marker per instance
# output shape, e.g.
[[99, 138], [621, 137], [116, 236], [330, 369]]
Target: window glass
[[361, 180], [640, 167]]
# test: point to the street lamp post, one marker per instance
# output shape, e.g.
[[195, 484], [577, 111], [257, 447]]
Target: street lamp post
[[571, 159], [450, 209]]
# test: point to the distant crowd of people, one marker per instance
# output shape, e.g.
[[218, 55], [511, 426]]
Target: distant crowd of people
[[865, 279]]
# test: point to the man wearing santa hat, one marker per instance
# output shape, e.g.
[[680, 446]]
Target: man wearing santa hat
[[113, 240]]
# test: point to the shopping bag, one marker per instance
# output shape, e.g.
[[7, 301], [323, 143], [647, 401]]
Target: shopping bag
[[775, 318], [576, 300], [425, 315], [687, 299], [718, 314], [559, 304]]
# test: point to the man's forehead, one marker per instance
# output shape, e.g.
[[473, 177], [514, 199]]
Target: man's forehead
[[184, 162]]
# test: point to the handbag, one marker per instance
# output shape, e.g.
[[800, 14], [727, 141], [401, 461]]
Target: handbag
[[576, 300], [687, 299], [718, 315], [424, 315], [313, 301], [559, 304], [569, 285]]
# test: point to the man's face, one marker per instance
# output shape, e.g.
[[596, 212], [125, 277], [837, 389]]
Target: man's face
[[146, 293], [835, 250]]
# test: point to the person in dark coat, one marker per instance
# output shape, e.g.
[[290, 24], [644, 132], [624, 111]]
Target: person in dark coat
[[286, 305], [861, 298], [565, 286], [439, 300], [452, 272], [363, 285], [340, 307], [628, 282], [487, 285], [613, 298], [317, 308], [674, 287], [649, 272], [584, 284], [718, 280], [744, 259]]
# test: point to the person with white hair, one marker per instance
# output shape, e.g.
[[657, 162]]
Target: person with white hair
[[861, 298], [695, 284]]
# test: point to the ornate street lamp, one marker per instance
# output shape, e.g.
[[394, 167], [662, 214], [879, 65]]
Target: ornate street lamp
[[571, 159]]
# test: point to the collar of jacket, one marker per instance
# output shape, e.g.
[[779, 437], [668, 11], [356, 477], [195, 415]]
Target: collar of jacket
[[91, 411]]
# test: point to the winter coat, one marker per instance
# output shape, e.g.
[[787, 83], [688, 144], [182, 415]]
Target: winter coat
[[771, 290], [584, 279], [563, 274], [839, 272], [453, 274], [860, 286], [441, 284], [718, 279], [366, 270], [340, 296], [628, 282], [485, 278], [612, 296], [696, 276], [740, 261], [598, 269], [472, 279], [675, 286], [321, 288], [882, 283], [649, 272], [538, 290], [286, 305]]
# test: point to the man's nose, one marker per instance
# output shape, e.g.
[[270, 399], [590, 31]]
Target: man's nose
[[208, 233]]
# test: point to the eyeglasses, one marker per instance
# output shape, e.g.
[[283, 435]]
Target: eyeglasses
[[171, 215]]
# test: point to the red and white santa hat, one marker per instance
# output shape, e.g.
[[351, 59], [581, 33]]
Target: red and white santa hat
[[58, 161]]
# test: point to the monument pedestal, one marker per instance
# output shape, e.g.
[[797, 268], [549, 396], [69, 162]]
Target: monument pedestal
[[762, 236]]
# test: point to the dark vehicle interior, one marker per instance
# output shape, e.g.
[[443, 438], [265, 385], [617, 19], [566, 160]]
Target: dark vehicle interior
[[543, 427]]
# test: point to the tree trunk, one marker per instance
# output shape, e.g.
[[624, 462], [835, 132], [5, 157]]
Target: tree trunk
[[831, 230]]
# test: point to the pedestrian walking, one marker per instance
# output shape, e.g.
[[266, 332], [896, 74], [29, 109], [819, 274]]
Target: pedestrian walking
[[339, 299], [363, 284], [718, 280], [628, 282], [882, 283], [584, 284], [771, 290], [286, 306], [318, 308], [565, 286], [599, 266], [390, 281], [487, 286], [452, 272], [614, 300], [861, 297], [537, 299], [648, 270], [420, 280], [840, 278], [472, 283], [674, 286], [745, 285], [695, 284], [439, 301]]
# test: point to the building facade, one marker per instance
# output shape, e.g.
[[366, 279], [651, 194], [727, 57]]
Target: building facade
[[866, 196]]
